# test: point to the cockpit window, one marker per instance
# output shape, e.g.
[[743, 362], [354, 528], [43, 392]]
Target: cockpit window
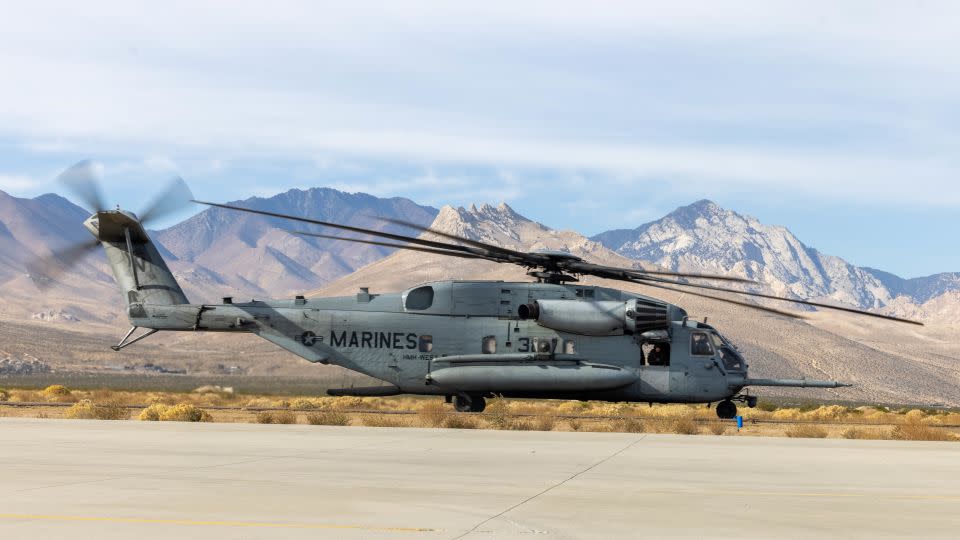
[[420, 298], [732, 361], [700, 344]]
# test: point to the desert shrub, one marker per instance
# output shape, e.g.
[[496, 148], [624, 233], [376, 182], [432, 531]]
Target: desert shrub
[[383, 420], [460, 421], [630, 424], [544, 422], [766, 406], [717, 428], [827, 412], [88, 410], [575, 424], [328, 418], [4, 395], [304, 403], [347, 402], [786, 414], [863, 433], [284, 417], [684, 426], [806, 431], [264, 417], [57, 392], [498, 414], [915, 431], [432, 414], [182, 412], [152, 412], [520, 424]]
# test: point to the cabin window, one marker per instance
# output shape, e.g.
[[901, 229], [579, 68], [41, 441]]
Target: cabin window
[[489, 345], [657, 354], [700, 344], [569, 347], [419, 298], [426, 343]]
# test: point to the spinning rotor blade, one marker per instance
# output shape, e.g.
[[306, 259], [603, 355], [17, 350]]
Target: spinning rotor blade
[[783, 299], [382, 234], [392, 245], [577, 267], [727, 300], [475, 243], [84, 180], [58, 262], [613, 272], [174, 197]]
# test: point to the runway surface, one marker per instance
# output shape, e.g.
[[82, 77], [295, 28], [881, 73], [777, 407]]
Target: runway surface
[[98, 479]]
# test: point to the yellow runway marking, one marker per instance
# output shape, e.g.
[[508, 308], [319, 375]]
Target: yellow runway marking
[[264, 524], [814, 494]]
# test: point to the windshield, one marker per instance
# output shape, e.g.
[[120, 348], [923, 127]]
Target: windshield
[[732, 361]]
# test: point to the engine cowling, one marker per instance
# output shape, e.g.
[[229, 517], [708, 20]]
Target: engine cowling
[[600, 318]]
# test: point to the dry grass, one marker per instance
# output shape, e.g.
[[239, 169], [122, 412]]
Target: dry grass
[[328, 418], [865, 433], [88, 410], [4, 395], [915, 431], [717, 428], [684, 426], [384, 420], [545, 422], [461, 421], [432, 414], [629, 424], [276, 417], [806, 431]]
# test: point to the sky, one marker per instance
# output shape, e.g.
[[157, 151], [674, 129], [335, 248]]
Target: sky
[[838, 120]]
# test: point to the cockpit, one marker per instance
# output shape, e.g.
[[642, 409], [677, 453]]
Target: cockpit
[[712, 344]]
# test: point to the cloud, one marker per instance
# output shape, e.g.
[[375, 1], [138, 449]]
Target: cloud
[[18, 183], [848, 101]]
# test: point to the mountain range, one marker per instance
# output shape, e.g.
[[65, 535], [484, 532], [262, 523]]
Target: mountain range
[[220, 253], [705, 237]]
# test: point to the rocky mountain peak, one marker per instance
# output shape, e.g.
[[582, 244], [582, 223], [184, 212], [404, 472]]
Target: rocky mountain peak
[[703, 236]]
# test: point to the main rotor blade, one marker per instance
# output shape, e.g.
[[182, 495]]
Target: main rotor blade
[[58, 262], [727, 300], [794, 300], [532, 257], [392, 245], [391, 236], [84, 180], [176, 196], [614, 272]]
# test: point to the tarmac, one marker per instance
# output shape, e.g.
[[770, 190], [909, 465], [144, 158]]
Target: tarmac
[[124, 479]]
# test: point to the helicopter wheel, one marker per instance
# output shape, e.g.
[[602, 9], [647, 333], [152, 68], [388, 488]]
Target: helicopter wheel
[[726, 409], [469, 403]]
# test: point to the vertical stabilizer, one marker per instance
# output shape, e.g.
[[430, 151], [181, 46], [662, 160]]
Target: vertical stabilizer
[[140, 271]]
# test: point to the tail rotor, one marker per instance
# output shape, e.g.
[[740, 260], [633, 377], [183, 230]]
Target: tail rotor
[[84, 181]]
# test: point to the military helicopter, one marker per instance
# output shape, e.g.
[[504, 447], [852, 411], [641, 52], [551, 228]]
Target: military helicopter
[[551, 337]]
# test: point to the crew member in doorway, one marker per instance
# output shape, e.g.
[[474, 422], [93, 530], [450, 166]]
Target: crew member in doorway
[[659, 356]]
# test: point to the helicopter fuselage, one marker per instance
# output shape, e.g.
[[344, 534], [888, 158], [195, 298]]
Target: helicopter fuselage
[[478, 337]]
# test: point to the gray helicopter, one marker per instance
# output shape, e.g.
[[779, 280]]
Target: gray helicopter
[[550, 338]]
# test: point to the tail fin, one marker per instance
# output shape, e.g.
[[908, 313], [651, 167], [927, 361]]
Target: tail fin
[[140, 271]]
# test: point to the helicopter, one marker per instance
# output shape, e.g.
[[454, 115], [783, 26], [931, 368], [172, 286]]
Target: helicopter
[[548, 338]]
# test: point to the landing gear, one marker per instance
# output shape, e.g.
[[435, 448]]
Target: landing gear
[[751, 401], [726, 409], [469, 403]]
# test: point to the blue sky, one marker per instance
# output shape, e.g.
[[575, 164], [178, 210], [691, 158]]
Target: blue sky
[[840, 123]]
